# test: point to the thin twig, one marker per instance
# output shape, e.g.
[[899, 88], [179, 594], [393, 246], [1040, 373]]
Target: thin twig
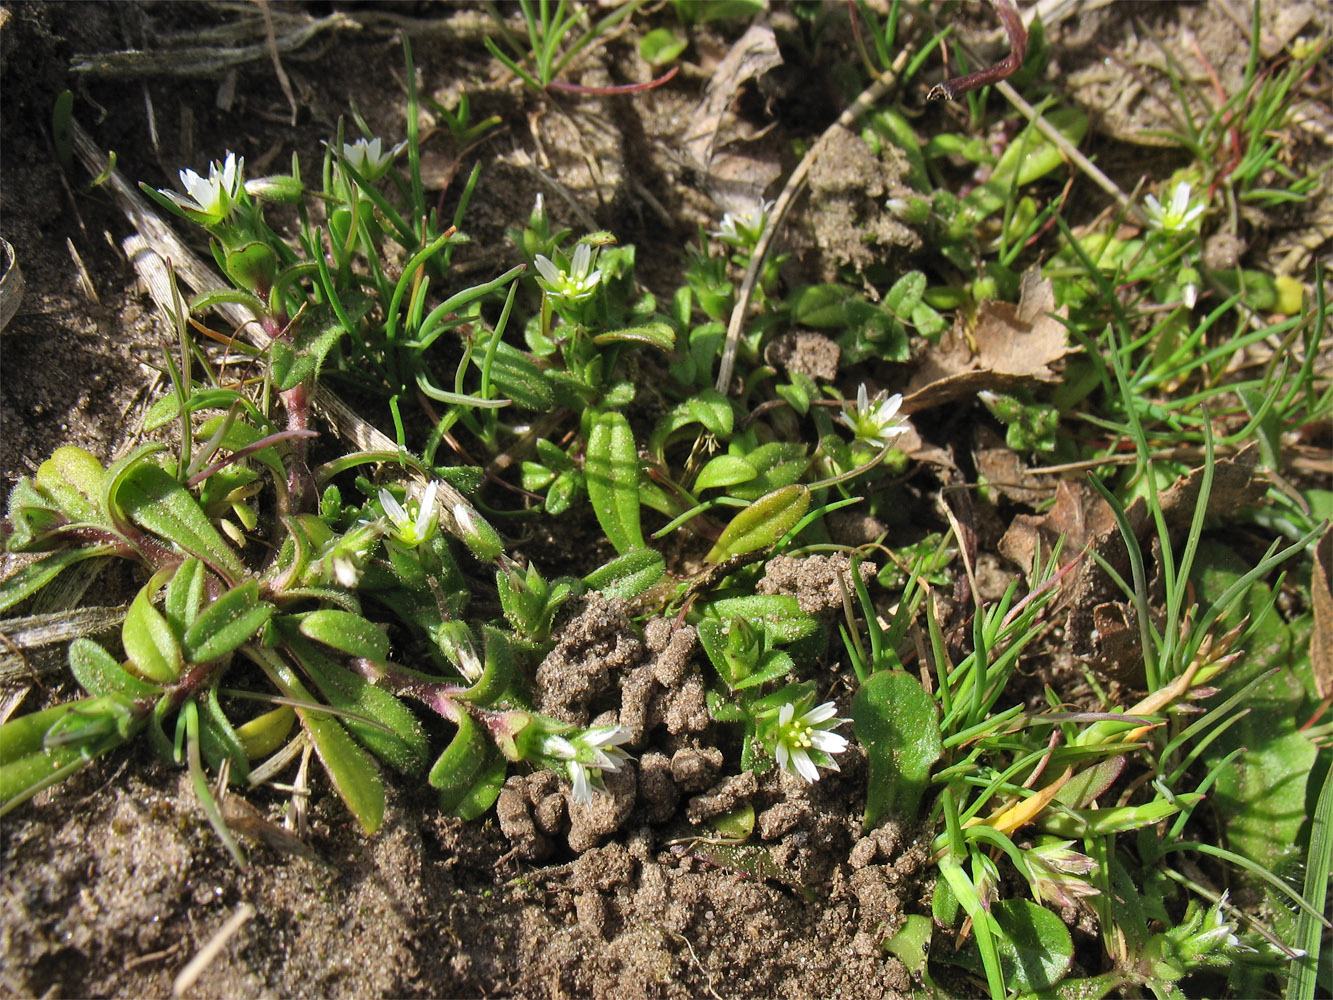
[[1071, 152], [195, 967]]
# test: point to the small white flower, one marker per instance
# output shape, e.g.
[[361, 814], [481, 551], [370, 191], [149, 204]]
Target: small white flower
[[744, 228], [875, 421], [574, 285], [1179, 217], [407, 529], [797, 737], [366, 158], [210, 201], [588, 755]]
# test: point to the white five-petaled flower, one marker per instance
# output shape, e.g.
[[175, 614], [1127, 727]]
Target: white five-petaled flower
[[588, 755], [574, 285], [368, 158], [210, 200], [875, 421], [406, 529], [1179, 216], [798, 736], [744, 228]]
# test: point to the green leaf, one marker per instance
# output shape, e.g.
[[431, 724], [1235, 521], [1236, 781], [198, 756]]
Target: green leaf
[[35, 576], [911, 945], [897, 722], [26, 734], [659, 335], [466, 772], [713, 637], [346, 632], [709, 407], [905, 294], [499, 672], [224, 625], [1308, 935], [99, 673], [779, 615], [1260, 798], [629, 575], [778, 464], [821, 306], [218, 739], [185, 595], [156, 502], [317, 332], [350, 768], [714, 410], [761, 524], [28, 764], [517, 377], [389, 728], [724, 470], [263, 734], [72, 477], [1035, 948], [251, 265], [151, 645], [32, 514], [660, 46], [611, 470]]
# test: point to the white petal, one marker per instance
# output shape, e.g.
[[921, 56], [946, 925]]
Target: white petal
[[582, 261], [582, 787], [548, 270], [781, 754], [889, 408], [393, 508], [862, 399], [1181, 199], [830, 743], [231, 173], [785, 714], [804, 765], [821, 713], [1154, 206], [426, 511], [607, 736]]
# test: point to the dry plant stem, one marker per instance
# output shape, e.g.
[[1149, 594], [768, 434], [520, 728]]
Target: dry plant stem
[[196, 966], [1071, 152], [863, 103]]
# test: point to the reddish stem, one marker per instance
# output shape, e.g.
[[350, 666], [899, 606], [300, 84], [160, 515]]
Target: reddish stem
[[624, 88], [1018, 46]]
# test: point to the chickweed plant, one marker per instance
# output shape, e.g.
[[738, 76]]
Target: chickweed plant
[[366, 607]]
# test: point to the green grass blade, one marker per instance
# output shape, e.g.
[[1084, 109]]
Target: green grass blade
[[1309, 933]]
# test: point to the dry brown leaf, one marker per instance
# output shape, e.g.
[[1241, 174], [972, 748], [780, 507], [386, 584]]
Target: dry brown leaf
[[1078, 515], [1004, 470], [1009, 346], [1321, 603], [753, 55]]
